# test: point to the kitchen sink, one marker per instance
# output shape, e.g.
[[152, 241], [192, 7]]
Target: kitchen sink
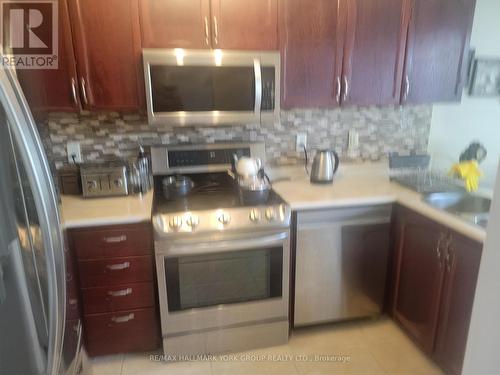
[[472, 208]]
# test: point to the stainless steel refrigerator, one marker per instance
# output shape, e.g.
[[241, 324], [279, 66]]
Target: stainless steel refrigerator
[[40, 328]]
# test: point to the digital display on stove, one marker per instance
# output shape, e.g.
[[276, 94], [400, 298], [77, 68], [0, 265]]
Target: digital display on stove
[[204, 157]]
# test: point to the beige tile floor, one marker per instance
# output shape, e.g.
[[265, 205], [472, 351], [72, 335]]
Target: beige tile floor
[[370, 347]]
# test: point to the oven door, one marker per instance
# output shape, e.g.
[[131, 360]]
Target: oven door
[[225, 283]]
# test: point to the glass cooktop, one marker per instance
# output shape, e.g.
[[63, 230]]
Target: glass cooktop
[[210, 192]]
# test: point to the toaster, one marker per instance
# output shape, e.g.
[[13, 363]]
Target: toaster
[[104, 180]]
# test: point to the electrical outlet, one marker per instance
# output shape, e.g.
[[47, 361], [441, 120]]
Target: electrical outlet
[[353, 139], [300, 141], [74, 152], [353, 144]]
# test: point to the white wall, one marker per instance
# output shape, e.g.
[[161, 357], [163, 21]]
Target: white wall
[[454, 126], [482, 355]]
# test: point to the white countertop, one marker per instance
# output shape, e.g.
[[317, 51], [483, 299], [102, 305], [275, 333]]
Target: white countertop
[[354, 184], [79, 212], [360, 184]]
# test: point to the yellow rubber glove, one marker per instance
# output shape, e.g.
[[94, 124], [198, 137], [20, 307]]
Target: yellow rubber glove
[[469, 172]]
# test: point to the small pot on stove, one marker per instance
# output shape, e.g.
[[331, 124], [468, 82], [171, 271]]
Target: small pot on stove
[[254, 189], [176, 187]]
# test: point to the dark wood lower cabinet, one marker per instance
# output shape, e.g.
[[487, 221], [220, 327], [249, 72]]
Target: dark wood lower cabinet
[[435, 276], [118, 291], [462, 269], [121, 332], [117, 298], [365, 250], [115, 271], [419, 277]]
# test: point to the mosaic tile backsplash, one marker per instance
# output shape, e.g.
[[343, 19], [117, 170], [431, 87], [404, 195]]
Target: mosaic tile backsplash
[[113, 135]]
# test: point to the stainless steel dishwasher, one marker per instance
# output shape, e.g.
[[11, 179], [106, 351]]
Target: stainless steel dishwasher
[[341, 263]]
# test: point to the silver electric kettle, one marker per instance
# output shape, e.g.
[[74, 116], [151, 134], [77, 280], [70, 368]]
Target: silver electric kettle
[[324, 166]]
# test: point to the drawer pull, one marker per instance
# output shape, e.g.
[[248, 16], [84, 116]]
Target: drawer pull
[[120, 293], [117, 267], [123, 319], [116, 239]]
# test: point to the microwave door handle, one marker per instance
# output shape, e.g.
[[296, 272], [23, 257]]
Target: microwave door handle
[[258, 86]]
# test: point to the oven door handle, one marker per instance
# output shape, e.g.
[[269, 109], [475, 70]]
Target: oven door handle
[[226, 245]]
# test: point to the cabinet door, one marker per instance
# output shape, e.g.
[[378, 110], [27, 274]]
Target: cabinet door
[[419, 277], [365, 251], [175, 23], [311, 43], [54, 89], [462, 268], [107, 43], [249, 25], [374, 51], [438, 42]]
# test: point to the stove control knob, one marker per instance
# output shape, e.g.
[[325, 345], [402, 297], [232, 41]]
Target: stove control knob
[[224, 218], [255, 215], [175, 223], [92, 185], [270, 214], [193, 221]]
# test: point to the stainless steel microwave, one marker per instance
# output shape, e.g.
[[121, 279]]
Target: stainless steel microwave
[[211, 87]]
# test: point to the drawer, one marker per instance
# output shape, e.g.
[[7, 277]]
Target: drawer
[[116, 298], [116, 271], [115, 241], [121, 332]]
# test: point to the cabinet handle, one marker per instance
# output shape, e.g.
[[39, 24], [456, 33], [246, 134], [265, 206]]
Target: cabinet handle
[[346, 88], [84, 91], [216, 31], [438, 249], [449, 256], [118, 267], [116, 239], [338, 90], [207, 37], [73, 91], [447, 260], [407, 88], [120, 293], [123, 319]]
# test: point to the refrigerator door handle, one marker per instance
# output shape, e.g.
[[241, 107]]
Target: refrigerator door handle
[[3, 292]]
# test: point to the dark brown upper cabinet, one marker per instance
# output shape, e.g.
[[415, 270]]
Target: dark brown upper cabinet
[[438, 42], [176, 23], [374, 51], [108, 52], [249, 25], [343, 52], [311, 43], [225, 24], [54, 89]]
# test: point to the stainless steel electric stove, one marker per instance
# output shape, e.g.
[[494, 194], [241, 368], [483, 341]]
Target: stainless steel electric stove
[[222, 265]]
